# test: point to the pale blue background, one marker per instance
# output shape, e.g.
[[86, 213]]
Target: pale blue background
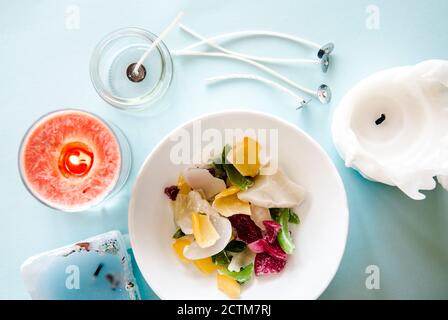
[[44, 66]]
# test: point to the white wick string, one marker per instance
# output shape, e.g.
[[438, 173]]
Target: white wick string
[[273, 84], [255, 33], [211, 43], [255, 64], [156, 42]]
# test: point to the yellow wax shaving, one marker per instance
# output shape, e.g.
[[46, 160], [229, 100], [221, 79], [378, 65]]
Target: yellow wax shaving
[[245, 157], [203, 230], [184, 188], [206, 265], [228, 204], [178, 247], [229, 286]]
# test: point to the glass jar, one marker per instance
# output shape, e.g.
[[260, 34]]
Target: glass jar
[[72, 160]]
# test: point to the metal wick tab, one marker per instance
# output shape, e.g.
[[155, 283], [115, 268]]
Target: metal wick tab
[[326, 49], [138, 76], [323, 93], [325, 62]]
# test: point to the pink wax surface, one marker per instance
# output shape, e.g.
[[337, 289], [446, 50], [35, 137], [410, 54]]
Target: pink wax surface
[[41, 152]]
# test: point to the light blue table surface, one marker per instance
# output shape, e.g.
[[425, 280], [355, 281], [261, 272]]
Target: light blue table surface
[[45, 66]]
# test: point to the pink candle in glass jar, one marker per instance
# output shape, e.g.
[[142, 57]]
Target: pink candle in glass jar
[[71, 160]]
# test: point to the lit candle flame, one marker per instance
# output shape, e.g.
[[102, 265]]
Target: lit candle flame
[[76, 160]]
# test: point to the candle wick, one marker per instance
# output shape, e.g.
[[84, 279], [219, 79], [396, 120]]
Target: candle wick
[[98, 269], [380, 120], [156, 42]]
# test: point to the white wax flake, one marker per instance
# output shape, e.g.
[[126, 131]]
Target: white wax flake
[[274, 191]]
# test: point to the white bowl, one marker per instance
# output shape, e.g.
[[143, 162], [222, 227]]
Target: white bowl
[[320, 237]]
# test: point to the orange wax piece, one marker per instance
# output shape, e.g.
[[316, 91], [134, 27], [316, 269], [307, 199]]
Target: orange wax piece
[[229, 286], [206, 265], [178, 247]]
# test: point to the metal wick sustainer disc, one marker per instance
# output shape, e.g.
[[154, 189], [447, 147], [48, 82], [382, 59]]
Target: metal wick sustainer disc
[[325, 62], [324, 93], [138, 76], [325, 49]]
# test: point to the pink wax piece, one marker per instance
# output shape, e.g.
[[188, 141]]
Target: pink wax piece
[[48, 167]]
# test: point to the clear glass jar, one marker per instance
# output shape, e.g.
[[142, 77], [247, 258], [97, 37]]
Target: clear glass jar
[[43, 162], [112, 60]]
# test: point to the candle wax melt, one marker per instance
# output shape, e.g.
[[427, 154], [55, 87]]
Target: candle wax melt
[[392, 127], [98, 268], [70, 159]]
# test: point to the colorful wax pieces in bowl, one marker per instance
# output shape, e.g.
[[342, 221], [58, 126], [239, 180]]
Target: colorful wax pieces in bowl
[[98, 268]]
